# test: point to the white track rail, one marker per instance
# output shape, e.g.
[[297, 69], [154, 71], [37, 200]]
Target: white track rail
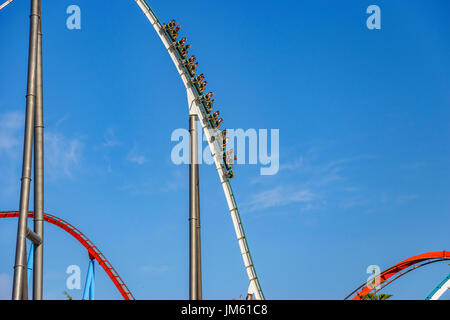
[[5, 4], [195, 108], [440, 289]]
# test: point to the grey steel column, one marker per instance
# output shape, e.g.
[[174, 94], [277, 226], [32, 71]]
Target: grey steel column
[[25, 277], [20, 260], [199, 244], [39, 172], [195, 277]]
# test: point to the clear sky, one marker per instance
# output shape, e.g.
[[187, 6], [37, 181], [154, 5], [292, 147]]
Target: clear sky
[[364, 133]]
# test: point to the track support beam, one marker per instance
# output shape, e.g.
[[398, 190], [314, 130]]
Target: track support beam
[[39, 172], [20, 259], [195, 265], [89, 286], [33, 237]]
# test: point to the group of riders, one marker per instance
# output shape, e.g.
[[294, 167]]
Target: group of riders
[[172, 29]]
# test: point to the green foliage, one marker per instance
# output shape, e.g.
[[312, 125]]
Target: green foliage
[[69, 297], [375, 296]]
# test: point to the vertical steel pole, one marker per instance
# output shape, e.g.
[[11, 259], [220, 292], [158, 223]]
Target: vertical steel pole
[[199, 242], [25, 277], [199, 246], [20, 259], [39, 171], [195, 277]]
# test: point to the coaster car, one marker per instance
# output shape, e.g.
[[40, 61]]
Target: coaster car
[[229, 174], [200, 83], [207, 102], [216, 123], [182, 47], [172, 29], [191, 65]]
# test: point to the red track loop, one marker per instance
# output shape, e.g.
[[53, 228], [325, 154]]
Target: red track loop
[[94, 252], [402, 266]]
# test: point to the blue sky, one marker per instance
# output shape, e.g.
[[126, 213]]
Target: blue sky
[[364, 134]]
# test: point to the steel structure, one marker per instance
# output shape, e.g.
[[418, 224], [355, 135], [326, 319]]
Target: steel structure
[[197, 110], [39, 172], [34, 137], [5, 4], [20, 283], [195, 262], [440, 289], [93, 251], [399, 270], [196, 107], [89, 287]]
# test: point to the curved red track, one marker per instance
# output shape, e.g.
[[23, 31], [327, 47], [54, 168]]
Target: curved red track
[[440, 255], [94, 252]]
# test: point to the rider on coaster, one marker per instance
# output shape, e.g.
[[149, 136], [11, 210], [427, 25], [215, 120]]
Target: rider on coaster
[[229, 174], [193, 69], [184, 51], [217, 123], [192, 66], [207, 102], [200, 83], [182, 48], [172, 29], [208, 96], [202, 86]]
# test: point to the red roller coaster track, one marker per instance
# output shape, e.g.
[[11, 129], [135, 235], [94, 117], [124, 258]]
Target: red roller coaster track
[[94, 252], [414, 262]]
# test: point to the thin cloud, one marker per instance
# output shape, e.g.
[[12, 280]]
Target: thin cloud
[[296, 164], [10, 132], [11, 142], [303, 182], [154, 269], [110, 139], [402, 199], [135, 157], [175, 183], [62, 155], [61, 120], [5, 286], [281, 196]]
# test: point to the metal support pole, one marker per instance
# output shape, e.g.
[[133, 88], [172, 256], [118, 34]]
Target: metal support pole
[[29, 270], [92, 287], [20, 259], [25, 278], [33, 237], [199, 246], [30, 262], [89, 286], [195, 276], [39, 171]]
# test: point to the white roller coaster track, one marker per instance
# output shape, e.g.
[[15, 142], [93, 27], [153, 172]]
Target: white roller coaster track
[[195, 108], [5, 4], [437, 293]]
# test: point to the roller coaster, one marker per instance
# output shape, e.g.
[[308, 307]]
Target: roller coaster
[[402, 268], [93, 251], [200, 104]]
